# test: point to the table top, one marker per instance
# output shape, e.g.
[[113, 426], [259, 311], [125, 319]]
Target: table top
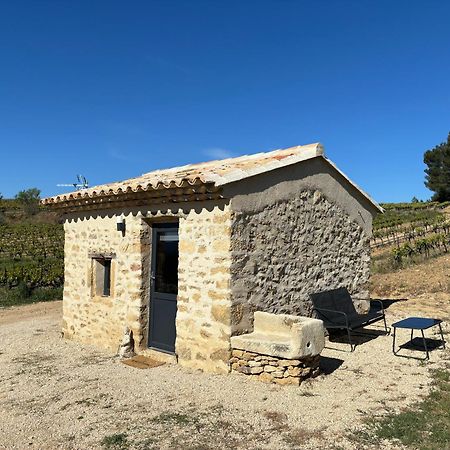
[[416, 323]]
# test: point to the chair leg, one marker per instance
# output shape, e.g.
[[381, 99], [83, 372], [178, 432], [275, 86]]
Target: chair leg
[[388, 330], [393, 342], [442, 337], [425, 345], [352, 347]]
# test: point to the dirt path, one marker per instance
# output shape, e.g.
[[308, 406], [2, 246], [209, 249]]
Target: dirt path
[[28, 312], [57, 394]]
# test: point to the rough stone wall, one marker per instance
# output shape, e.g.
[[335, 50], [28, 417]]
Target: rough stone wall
[[203, 315], [286, 250], [92, 318], [270, 369], [204, 295]]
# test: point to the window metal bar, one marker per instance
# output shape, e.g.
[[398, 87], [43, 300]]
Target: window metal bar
[[107, 277]]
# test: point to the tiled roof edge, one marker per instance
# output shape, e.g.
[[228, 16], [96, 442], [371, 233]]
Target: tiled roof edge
[[307, 152]]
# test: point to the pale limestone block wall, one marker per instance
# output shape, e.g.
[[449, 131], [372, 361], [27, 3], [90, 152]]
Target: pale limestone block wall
[[204, 295], [204, 298], [91, 318]]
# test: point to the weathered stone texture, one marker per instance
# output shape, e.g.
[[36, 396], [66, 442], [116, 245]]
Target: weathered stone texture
[[231, 263], [284, 251], [204, 295], [282, 335], [92, 318], [269, 369]]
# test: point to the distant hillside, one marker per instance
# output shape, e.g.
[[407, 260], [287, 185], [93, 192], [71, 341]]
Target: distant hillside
[[31, 251], [11, 211]]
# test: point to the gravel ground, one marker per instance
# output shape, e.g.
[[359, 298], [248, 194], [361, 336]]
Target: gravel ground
[[57, 394]]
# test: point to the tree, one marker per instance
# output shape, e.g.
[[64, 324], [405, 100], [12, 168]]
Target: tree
[[29, 200], [437, 177]]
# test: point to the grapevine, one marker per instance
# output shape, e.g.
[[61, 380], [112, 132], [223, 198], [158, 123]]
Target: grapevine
[[31, 253]]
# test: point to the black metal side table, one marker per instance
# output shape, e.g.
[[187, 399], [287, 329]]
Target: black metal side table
[[417, 323]]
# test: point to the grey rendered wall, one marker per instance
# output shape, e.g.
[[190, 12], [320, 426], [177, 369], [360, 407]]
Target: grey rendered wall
[[295, 231]]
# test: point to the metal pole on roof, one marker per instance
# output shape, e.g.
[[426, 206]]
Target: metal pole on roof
[[82, 183]]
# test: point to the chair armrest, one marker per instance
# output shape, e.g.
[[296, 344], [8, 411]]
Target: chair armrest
[[333, 311], [381, 304]]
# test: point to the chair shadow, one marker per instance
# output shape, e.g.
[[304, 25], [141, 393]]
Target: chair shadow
[[359, 337], [328, 365], [387, 302]]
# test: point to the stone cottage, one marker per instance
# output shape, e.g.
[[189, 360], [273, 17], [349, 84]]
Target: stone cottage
[[184, 257]]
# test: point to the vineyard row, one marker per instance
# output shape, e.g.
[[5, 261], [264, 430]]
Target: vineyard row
[[409, 233], [31, 241], [423, 247], [46, 273]]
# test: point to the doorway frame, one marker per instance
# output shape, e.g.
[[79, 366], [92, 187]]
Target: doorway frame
[[156, 228]]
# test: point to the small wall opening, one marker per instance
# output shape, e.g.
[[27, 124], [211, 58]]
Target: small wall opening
[[102, 273]]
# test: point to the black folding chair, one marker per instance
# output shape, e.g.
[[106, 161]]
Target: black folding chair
[[337, 311]]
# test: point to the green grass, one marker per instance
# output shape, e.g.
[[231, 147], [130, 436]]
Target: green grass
[[424, 426], [175, 418], [115, 441], [22, 295]]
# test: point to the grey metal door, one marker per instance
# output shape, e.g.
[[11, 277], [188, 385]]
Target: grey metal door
[[164, 287]]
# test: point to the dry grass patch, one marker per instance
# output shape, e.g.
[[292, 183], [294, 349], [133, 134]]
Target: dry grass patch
[[298, 437], [423, 426]]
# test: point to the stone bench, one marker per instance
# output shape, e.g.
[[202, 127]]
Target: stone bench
[[284, 349], [283, 336]]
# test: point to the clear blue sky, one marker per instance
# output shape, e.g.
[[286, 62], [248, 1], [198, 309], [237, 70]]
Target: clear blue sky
[[113, 89]]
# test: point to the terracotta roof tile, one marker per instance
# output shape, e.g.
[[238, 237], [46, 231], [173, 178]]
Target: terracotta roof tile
[[200, 176], [216, 173]]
